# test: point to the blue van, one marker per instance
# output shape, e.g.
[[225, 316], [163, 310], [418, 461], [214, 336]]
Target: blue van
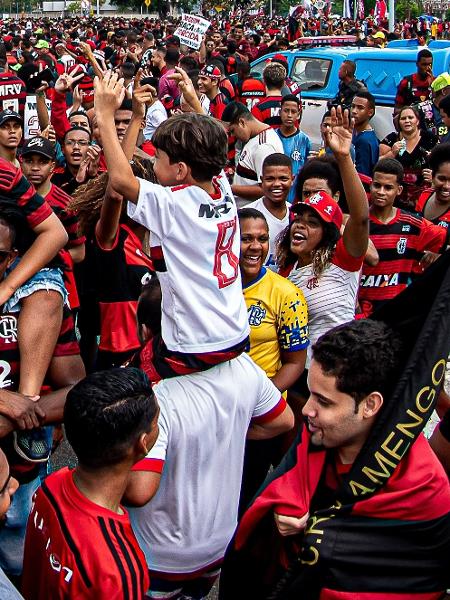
[[316, 72]]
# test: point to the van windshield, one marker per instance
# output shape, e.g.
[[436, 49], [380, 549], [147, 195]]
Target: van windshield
[[311, 73]]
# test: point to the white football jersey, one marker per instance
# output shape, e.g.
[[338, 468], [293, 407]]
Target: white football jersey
[[195, 246], [249, 167], [203, 422]]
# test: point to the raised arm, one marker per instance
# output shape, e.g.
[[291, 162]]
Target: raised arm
[[187, 89], [143, 97], [339, 139], [108, 97], [51, 237]]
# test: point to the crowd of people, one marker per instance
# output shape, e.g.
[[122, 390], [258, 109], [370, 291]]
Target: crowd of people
[[208, 308]]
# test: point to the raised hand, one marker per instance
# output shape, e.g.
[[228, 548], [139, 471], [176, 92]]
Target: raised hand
[[108, 94], [338, 137], [143, 96], [65, 82], [185, 85]]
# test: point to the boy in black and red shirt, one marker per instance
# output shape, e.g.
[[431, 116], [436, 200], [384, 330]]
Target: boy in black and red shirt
[[38, 162], [401, 239], [269, 108], [416, 87], [79, 540]]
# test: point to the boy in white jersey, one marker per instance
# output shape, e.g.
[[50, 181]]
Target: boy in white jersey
[[276, 182], [194, 236]]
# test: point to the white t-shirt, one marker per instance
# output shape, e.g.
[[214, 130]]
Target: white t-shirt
[[195, 250], [331, 298], [249, 167], [276, 226], [203, 423], [156, 114]]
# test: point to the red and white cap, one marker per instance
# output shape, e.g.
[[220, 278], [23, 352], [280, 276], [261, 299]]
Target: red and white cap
[[324, 205]]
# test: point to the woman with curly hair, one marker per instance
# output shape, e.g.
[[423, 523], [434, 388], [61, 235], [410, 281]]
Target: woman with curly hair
[[118, 264], [313, 253]]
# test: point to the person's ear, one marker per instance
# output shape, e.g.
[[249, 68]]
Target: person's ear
[[372, 404], [400, 190], [142, 445], [52, 167], [182, 171], [336, 196]]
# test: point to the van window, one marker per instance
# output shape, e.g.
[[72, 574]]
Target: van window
[[311, 73]]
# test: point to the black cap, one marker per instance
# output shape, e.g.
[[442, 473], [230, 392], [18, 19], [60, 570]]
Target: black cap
[[39, 145], [8, 114]]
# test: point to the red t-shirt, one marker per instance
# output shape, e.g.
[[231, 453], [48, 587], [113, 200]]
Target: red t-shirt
[[76, 549]]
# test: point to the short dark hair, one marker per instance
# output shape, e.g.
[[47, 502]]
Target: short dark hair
[[126, 105], [76, 129], [367, 96], [188, 63], [363, 355], [291, 98], [251, 213], [390, 166], [197, 140], [319, 168], [235, 111], [13, 217], [445, 105], [439, 155], [351, 67], [277, 159], [172, 56], [425, 53], [106, 412], [78, 113]]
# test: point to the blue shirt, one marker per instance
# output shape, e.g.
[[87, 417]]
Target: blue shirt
[[297, 147], [367, 151]]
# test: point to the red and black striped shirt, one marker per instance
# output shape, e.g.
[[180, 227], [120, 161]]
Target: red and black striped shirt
[[75, 548], [66, 345], [268, 111], [119, 274], [400, 245], [15, 188], [13, 93]]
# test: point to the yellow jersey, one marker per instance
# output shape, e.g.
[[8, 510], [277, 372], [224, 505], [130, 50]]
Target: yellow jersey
[[278, 319]]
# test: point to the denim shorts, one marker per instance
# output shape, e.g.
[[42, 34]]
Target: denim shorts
[[45, 279]]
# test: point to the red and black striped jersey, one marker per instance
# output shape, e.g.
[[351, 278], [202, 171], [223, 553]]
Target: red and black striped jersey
[[226, 88], [66, 345], [12, 93], [119, 274], [59, 200], [268, 111], [250, 91], [75, 548], [400, 245], [15, 188], [217, 106]]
